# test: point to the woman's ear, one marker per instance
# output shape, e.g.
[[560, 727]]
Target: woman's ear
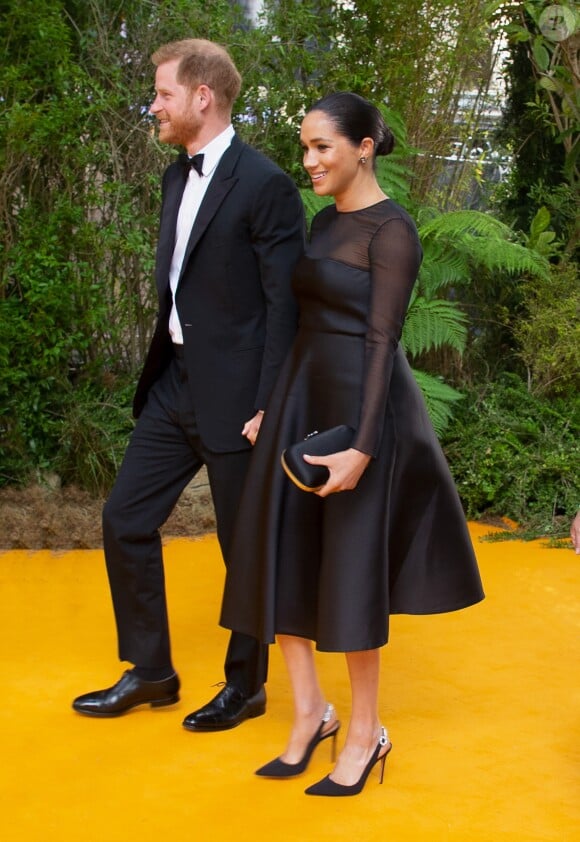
[[367, 148]]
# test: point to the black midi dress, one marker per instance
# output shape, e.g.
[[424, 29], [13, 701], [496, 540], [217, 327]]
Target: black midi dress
[[334, 569]]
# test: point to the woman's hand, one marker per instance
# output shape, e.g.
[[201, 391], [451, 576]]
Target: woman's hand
[[252, 427], [346, 468]]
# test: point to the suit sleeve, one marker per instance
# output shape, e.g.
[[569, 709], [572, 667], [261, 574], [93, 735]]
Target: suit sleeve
[[278, 239]]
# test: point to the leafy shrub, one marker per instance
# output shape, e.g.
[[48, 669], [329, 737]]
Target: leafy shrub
[[93, 436], [549, 335], [516, 455]]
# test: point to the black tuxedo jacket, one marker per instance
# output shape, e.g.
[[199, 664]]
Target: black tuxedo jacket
[[234, 295]]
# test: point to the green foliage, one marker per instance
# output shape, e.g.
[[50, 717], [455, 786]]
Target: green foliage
[[394, 171], [561, 202], [478, 260], [482, 241], [93, 436], [540, 239], [439, 397], [541, 122], [549, 335], [516, 455], [555, 70], [305, 50], [432, 324]]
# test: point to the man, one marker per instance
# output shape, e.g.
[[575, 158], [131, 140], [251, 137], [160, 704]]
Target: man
[[232, 229]]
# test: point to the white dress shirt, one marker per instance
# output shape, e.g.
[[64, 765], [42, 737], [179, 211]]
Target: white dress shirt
[[190, 203]]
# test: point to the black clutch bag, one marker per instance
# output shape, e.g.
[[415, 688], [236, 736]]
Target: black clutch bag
[[312, 477]]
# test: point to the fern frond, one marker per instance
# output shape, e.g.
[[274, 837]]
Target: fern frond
[[431, 324], [439, 398], [396, 123], [313, 203], [508, 257], [455, 224], [442, 267], [394, 177], [425, 214], [479, 239], [393, 164]]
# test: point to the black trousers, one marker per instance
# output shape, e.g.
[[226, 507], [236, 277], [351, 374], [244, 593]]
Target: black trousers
[[164, 453]]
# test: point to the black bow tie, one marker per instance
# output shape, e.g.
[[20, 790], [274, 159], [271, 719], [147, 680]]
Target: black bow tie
[[196, 162]]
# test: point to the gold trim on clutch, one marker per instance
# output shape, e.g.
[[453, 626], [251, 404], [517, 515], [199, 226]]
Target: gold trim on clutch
[[295, 479]]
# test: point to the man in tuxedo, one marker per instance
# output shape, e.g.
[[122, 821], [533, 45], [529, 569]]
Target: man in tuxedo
[[232, 228]]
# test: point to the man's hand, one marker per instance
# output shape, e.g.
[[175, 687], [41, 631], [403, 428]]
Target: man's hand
[[252, 427]]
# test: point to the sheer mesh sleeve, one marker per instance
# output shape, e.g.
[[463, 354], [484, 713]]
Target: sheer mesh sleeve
[[395, 257]]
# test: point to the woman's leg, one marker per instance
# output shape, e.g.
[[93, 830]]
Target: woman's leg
[[309, 701], [364, 728]]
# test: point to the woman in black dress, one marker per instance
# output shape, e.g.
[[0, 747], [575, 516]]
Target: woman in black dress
[[386, 533]]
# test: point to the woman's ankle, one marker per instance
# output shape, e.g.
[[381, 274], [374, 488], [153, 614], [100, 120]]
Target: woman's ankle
[[363, 734], [310, 710]]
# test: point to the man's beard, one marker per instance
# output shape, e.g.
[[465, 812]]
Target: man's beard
[[181, 130]]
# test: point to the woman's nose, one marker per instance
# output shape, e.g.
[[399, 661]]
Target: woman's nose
[[309, 159]]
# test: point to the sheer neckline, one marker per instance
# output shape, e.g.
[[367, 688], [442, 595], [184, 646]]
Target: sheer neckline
[[366, 208]]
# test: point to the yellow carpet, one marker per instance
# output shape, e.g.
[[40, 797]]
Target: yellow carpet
[[481, 705]]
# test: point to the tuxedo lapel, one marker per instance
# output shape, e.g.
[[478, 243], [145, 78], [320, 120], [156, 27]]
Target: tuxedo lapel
[[219, 187], [166, 243]]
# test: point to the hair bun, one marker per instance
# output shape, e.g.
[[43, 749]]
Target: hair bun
[[386, 144]]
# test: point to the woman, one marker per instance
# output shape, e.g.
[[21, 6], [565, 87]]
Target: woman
[[331, 567]]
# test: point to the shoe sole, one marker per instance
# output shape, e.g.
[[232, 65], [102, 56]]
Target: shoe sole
[[226, 726]]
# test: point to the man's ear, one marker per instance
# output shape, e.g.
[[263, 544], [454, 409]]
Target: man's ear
[[204, 95]]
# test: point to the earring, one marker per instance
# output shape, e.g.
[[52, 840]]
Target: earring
[[363, 159]]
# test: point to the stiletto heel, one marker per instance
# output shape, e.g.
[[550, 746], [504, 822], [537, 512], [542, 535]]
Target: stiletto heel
[[329, 787], [334, 734], [382, 762], [279, 769]]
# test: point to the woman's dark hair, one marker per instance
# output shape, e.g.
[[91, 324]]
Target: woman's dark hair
[[356, 118]]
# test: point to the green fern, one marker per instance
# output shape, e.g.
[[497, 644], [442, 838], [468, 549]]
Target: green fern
[[394, 177], [455, 224], [439, 398], [313, 203], [442, 267], [472, 239], [397, 125], [512, 258], [431, 324]]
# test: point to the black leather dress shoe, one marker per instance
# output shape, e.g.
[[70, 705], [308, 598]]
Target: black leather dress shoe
[[229, 708], [127, 693]]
